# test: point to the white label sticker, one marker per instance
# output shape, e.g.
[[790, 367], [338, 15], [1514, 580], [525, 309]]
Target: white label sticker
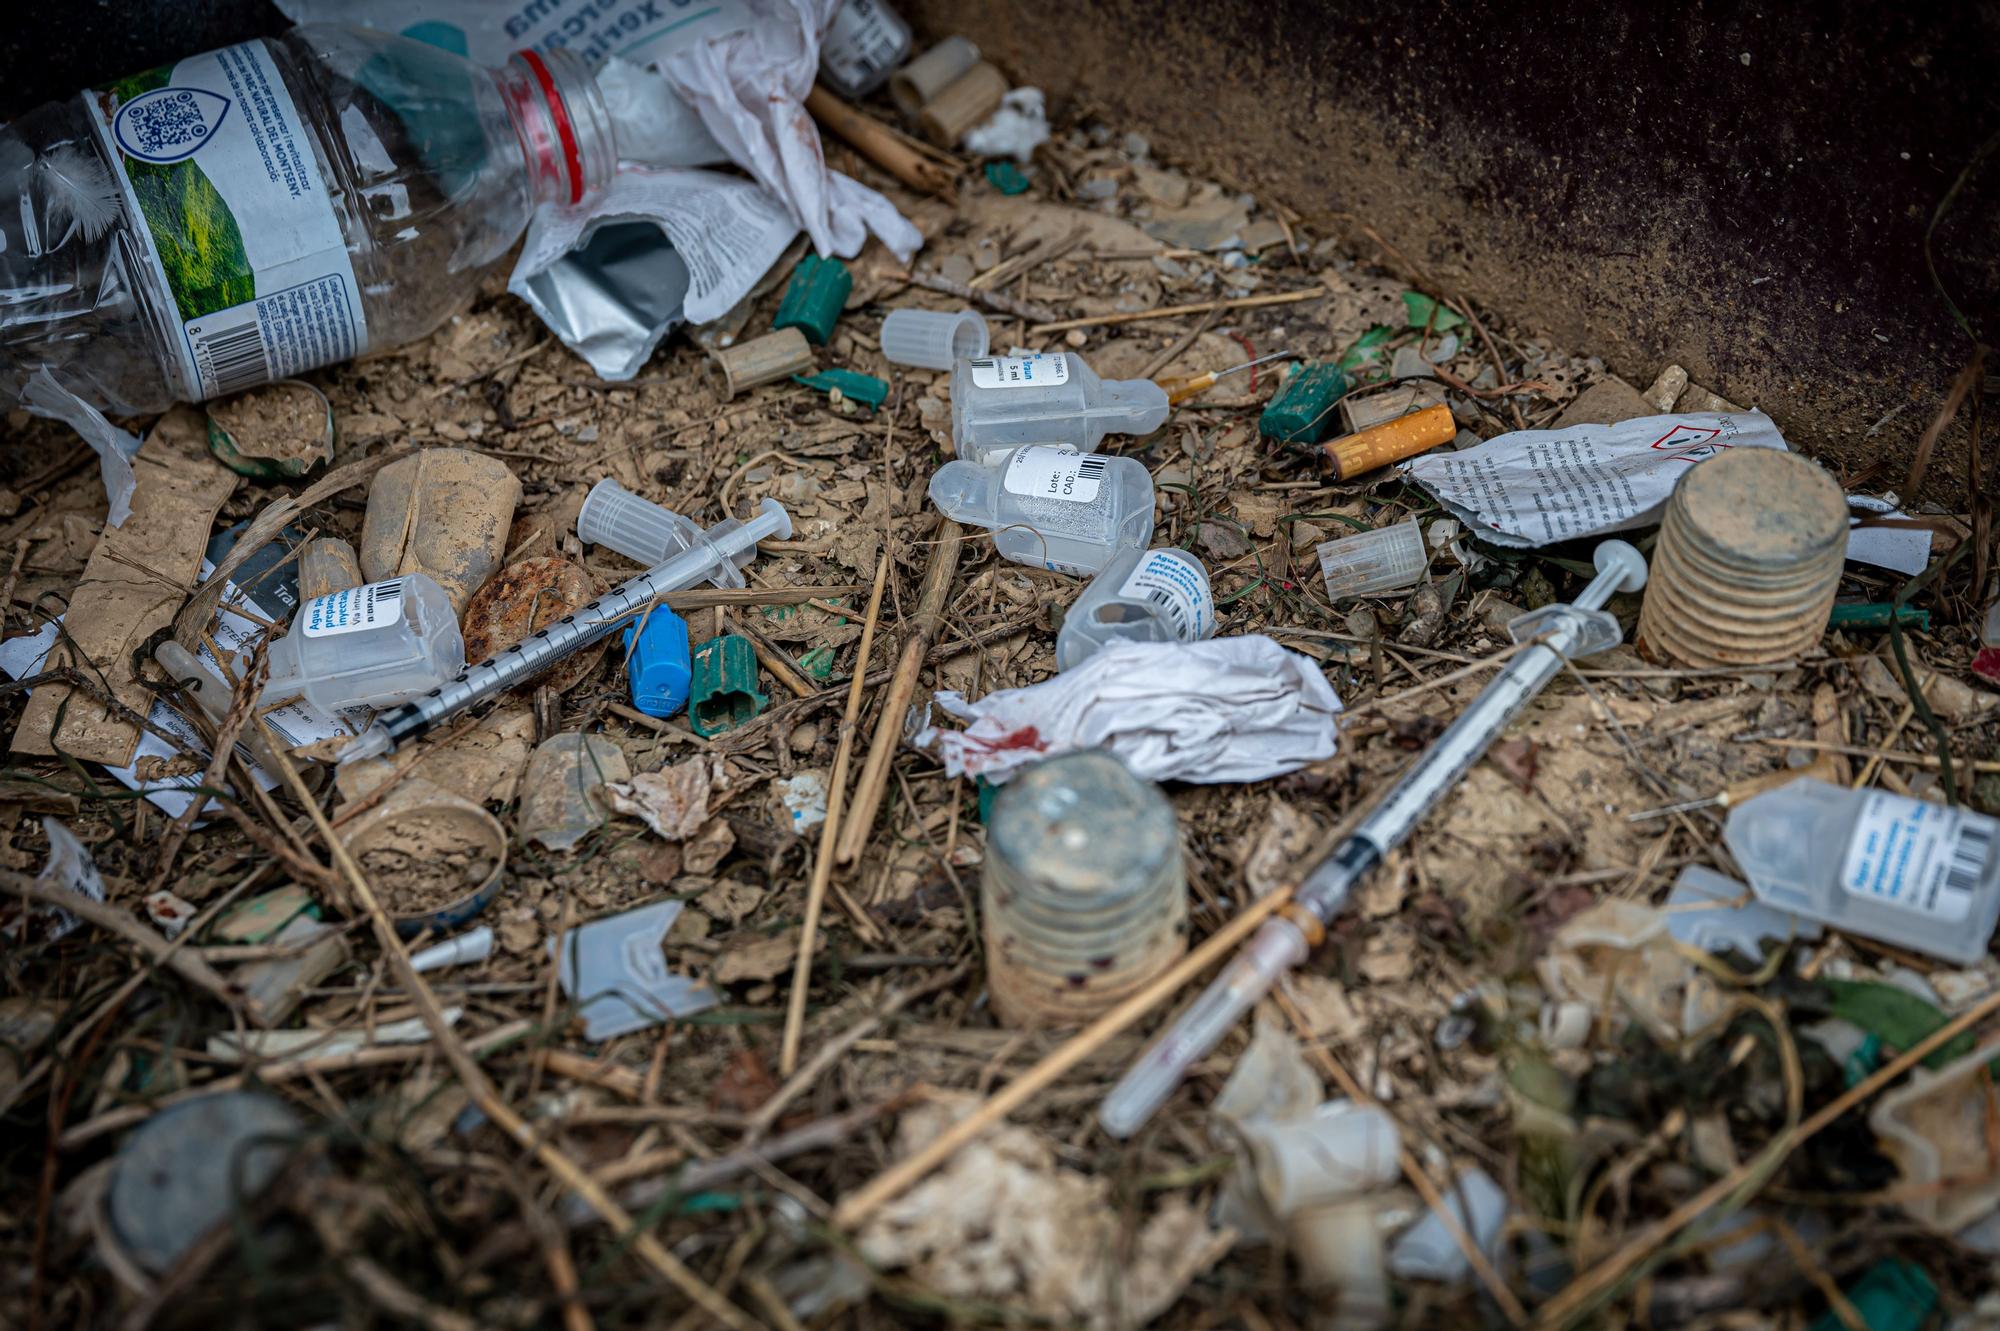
[[1179, 587], [1046, 471], [1020, 371], [375, 606], [240, 232], [1922, 857]]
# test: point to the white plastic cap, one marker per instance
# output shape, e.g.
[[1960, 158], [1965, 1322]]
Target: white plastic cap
[[639, 529], [932, 339], [1372, 562]]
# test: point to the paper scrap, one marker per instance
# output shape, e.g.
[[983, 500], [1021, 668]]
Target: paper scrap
[[71, 868], [296, 723], [1902, 544], [1229, 709], [134, 581], [1536, 487]]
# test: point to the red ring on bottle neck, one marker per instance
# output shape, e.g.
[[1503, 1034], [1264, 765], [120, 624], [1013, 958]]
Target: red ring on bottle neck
[[572, 154]]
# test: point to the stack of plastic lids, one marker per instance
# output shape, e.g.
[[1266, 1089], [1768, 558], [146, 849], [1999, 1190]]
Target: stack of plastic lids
[[1749, 559]]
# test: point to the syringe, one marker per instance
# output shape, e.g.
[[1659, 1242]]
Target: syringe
[[1557, 633], [727, 544]]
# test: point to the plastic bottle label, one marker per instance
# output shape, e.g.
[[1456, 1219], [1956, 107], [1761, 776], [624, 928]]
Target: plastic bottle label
[[377, 605], [239, 230], [1922, 857], [863, 42], [1046, 471], [1179, 587], [1019, 371]]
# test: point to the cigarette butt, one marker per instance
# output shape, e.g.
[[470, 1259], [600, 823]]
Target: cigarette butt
[[763, 360], [963, 103], [1391, 441]]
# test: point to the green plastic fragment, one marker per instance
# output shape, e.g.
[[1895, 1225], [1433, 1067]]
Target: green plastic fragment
[[1861, 1064], [1006, 177], [1366, 347], [987, 793], [1892, 1295], [1897, 1016], [1422, 307], [1303, 410], [818, 663], [1875, 615], [850, 384], [724, 693], [814, 297]]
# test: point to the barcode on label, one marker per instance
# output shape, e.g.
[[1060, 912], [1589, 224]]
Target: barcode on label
[[983, 363], [1090, 469], [281, 730], [234, 358], [391, 590], [1172, 605], [1968, 857]]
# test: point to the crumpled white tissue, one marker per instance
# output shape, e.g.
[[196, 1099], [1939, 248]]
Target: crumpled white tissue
[[1229, 709], [749, 87], [1020, 126]]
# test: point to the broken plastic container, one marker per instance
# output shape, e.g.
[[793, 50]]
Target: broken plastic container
[[641, 530], [1371, 563], [933, 339], [368, 646], [1902, 871], [1003, 402], [1427, 1251], [1051, 507], [1141, 596], [616, 973], [1340, 1150], [308, 199]]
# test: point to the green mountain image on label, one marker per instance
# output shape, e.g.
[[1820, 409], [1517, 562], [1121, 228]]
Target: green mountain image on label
[[200, 247], [199, 244]]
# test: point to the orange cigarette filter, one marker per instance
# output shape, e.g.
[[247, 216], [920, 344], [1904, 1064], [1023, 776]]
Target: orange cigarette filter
[[1391, 441]]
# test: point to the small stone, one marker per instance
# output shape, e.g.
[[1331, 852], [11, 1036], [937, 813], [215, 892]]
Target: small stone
[[956, 268], [1305, 535], [1076, 337], [804, 738]]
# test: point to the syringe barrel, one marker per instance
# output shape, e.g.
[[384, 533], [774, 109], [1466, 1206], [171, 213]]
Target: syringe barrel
[[1275, 948]]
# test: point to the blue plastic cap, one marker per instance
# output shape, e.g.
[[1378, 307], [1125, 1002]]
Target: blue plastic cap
[[660, 668]]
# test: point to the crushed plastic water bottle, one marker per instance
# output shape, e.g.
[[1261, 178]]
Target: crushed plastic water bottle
[[1141, 596], [1051, 507], [1002, 402], [1903, 871], [368, 646], [285, 203]]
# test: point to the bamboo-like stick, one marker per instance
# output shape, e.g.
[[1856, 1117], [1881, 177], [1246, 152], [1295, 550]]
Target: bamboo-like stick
[[836, 786], [902, 686], [918, 165]]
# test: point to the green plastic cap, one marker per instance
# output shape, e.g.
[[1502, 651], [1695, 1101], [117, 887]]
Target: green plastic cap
[[814, 298]]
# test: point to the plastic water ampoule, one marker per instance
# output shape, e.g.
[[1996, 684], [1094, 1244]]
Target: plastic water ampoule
[[368, 646], [1903, 871], [1052, 507], [1141, 596], [1003, 402]]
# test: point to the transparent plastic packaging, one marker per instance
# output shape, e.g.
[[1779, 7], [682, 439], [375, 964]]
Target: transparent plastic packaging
[[368, 646], [1902, 871], [1370, 563], [1140, 596], [933, 339], [1002, 402], [643, 531], [1051, 507], [158, 242], [1084, 896]]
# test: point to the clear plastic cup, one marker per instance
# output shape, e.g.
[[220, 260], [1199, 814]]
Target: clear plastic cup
[[643, 531], [1370, 563], [933, 339]]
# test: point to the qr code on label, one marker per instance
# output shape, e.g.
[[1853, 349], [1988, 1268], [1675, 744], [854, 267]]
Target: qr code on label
[[166, 121]]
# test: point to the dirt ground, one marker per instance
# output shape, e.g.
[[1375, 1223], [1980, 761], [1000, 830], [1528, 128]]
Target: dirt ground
[[1445, 993]]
